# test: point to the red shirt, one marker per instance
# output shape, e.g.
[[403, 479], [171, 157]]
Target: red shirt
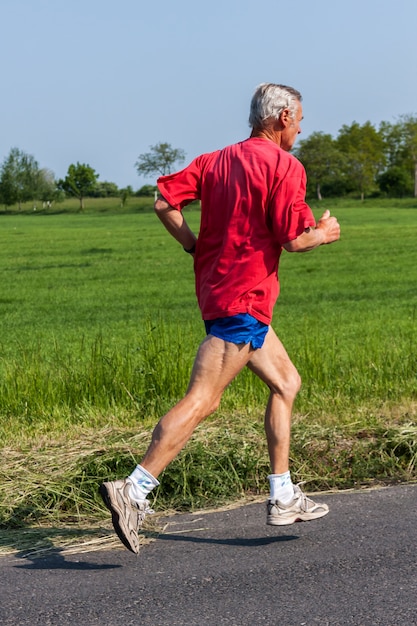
[[252, 202]]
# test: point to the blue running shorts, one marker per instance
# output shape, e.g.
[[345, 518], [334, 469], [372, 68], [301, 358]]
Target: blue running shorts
[[241, 328]]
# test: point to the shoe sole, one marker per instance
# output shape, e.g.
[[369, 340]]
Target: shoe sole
[[115, 516], [297, 517]]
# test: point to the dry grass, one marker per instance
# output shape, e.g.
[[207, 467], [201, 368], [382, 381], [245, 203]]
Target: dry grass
[[48, 486], [43, 541]]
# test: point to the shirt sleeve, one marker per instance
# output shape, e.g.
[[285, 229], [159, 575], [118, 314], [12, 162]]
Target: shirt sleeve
[[289, 213], [181, 188]]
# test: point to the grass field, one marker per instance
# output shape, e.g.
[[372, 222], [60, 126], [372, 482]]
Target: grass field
[[100, 327]]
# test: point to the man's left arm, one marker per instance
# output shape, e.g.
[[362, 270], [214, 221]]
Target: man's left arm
[[326, 231]]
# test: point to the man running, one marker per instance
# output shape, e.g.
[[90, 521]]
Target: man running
[[252, 207]]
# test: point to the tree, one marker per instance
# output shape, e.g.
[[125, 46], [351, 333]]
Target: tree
[[80, 181], [409, 130], [401, 150], [392, 136], [19, 178], [46, 188], [364, 150], [322, 160], [159, 160]]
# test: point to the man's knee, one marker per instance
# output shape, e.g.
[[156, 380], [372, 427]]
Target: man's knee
[[288, 385], [294, 383], [207, 406], [201, 405]]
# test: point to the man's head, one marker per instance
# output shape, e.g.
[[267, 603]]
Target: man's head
[[277, 108]]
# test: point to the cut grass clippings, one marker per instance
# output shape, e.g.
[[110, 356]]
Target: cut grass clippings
[[42, 541]]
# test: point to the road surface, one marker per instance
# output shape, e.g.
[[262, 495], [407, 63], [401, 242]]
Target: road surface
[[356, 566]]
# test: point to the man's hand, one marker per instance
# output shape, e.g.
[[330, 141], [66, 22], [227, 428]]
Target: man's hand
[[329, 226], [326, 231]]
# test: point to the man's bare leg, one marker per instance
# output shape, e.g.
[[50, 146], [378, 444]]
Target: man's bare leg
[[273, 365], [216, 365]]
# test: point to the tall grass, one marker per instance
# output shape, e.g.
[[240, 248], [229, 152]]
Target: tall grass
[[98, 375], [98, 313], [143, 378]]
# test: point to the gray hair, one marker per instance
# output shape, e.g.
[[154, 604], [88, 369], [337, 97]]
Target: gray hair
[[270, 100]]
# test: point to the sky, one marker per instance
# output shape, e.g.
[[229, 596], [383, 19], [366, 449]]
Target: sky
[[100, 81]]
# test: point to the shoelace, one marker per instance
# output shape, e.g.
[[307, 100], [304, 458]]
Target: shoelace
[[143, 510], [304, 500]]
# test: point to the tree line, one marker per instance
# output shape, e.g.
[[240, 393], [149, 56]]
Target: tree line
[[22, 180], [362, 160]]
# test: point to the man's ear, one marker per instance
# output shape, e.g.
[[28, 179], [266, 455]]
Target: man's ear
[[285, 118], [280, 123]]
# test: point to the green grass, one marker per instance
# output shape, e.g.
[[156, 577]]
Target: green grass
[[91, 304], [356, 305], [100, 327]]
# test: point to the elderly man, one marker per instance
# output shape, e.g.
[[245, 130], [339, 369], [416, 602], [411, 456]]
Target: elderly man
[[252, 207]]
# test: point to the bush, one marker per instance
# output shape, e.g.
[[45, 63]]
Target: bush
[[147, 191], [396, 182]]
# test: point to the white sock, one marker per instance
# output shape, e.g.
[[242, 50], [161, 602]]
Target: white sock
[[281, 487], [142, 483]]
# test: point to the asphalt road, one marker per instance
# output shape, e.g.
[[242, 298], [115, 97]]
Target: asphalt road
[[357, 566]]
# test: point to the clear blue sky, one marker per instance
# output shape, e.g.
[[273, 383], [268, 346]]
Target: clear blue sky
[[99, 81]]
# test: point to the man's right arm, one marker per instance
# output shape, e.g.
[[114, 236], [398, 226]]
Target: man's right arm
[[175, 223], [326, 231]]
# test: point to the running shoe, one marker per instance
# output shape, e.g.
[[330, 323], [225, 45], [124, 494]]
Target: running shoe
[[299, 509], [127, 514]]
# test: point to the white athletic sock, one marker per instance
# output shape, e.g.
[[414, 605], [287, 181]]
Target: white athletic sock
[[142, 483], [281, 487]]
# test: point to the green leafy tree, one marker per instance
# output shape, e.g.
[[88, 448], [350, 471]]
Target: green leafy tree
[[401, 150], [159, 160], [392, 135], [19, 178], [364, 151], [409, 132], [46, 188], [322, 160], [80, 182]]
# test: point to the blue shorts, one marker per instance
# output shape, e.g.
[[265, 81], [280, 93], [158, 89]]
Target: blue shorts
[[241, 328]]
